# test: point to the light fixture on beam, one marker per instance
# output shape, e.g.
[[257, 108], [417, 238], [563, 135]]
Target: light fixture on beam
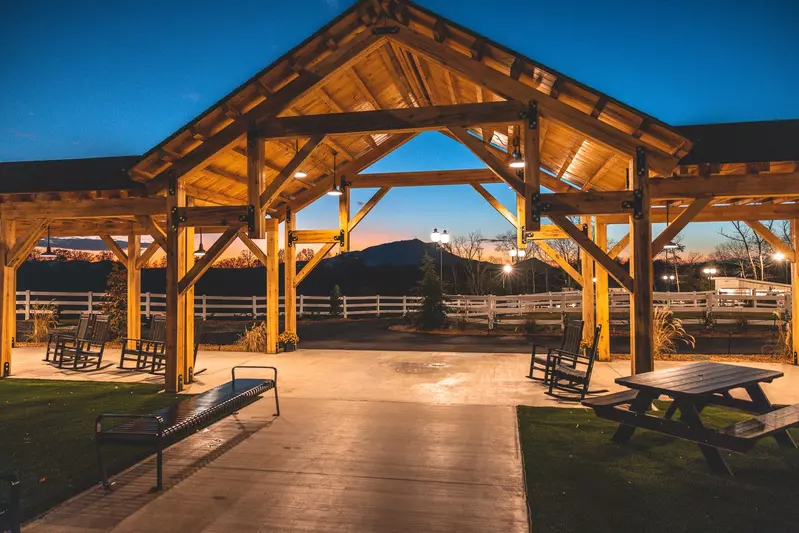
[[671, 245], [336, 190], [48, 253], [299, 174], [516, 157], [200, 252]]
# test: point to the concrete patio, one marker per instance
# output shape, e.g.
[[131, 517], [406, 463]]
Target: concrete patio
[[368, 441]]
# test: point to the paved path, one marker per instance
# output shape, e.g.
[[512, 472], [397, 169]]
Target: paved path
[[368, 441]]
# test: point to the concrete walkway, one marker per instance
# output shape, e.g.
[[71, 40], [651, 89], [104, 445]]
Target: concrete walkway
[[368, 442]]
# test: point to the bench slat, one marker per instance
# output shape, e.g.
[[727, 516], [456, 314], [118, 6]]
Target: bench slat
[[611, 400], [764, 425]]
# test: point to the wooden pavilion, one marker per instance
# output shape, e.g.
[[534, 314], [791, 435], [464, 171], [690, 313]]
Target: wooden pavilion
[[361, 87]]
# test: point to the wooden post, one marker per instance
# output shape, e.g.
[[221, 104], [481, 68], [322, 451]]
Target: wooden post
[[289, 273], [256, 159], [272, 285], [175, 301], [188, 301], [344, 217], [8, 294], [134, 289], [641, 299], [587, 271], [794, 288], [532, 167], [521, 216], [602, 295]]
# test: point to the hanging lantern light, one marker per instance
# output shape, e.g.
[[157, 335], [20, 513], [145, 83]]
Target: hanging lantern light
[[516, 157], [48, 253], [336, 190], [200, 252]]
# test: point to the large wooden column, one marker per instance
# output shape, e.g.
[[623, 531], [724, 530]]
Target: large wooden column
[[521, 216], [272, 285], [795, 287], [532, 167], [602, 295], [290, 273], [134, 288], [587, 271], [188, 302], [175, 301], [8, 295], [641, 300], [344, 217]]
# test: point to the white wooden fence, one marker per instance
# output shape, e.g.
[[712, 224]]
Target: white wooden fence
[[468, 307]]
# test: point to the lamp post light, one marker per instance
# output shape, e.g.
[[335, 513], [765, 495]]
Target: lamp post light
[[669, 279], [780, 257], [440, 239]]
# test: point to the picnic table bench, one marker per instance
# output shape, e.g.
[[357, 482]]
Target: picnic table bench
[[692, 388], [176, 422]]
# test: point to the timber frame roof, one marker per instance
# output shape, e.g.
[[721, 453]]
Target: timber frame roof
[[395, 55]]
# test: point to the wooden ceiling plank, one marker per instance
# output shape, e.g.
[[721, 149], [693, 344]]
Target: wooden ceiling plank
[[599, 174]]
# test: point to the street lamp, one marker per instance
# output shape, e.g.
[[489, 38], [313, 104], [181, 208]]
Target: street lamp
[[779, 256], [440, 239], [669, 278], [710, 271]]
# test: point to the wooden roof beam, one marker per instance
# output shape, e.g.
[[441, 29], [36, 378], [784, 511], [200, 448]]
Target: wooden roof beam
[[496, 204], [478, 148], [277, 185], [775, 242], [85, 208], [392, 120], [679, 223], [425, 178]]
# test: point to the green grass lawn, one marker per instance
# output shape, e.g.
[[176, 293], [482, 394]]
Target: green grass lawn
[[47, 434], [578, 480]]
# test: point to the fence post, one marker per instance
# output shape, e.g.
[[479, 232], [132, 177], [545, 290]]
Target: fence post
[[147, 304], [404, 305], [254, 307], [491, 305], [378, 304], [90, 302], [302, 305], [204, 308], [710, 298], [27, 304], [344, 306]]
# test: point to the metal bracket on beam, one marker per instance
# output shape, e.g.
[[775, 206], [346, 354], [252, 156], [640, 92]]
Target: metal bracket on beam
[[640, 163], [292, 239], [531, 115], [172, 182], [339, 238], [249, 218], [636, 204], [539, 207], [177, 218], [524, 234]]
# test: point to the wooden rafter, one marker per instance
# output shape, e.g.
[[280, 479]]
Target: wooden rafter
[[204, 263], [560, 261], [682, 220], [511, 89], [423, 179], [775, 242], [588, 246], [397, 76], [115, 248], [363, 89], [315, 236], [496, 204], [344, 56], [277, 185], [599, 174], [478, 148]]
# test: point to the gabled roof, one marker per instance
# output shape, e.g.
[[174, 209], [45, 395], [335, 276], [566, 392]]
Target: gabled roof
[[388, 73], [743, 142], [66, 175]]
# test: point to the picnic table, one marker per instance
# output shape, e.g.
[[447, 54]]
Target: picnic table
[[692, 388]]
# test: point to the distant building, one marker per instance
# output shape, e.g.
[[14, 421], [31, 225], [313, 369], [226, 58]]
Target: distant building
[[745, 286]]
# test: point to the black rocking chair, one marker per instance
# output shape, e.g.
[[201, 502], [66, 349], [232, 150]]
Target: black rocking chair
[[84, 350], [574, 368], [570, 342], [85, 323], [144, 351]]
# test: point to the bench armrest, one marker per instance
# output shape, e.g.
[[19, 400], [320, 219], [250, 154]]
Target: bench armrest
[[14, 498], [233, 371], [561, 356], [98, 423]]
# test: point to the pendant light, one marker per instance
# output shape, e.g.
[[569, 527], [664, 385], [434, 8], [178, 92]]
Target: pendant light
[[516, 157], [48, 254], [335, 190], [671, 245], [299, 174], [200, 252]]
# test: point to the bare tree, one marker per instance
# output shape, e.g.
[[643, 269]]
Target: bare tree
[[306, 254], [470, 247], [748, 245]]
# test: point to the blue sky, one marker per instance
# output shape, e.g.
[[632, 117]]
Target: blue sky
[[98, 78]]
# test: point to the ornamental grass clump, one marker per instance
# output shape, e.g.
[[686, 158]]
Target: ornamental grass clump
[[669, 330], [43, 318], [253, 339]]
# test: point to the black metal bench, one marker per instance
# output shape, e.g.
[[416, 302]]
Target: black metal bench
[[10, 509], [174, 423]]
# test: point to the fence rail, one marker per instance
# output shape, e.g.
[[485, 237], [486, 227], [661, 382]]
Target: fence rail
[[761, 306]]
